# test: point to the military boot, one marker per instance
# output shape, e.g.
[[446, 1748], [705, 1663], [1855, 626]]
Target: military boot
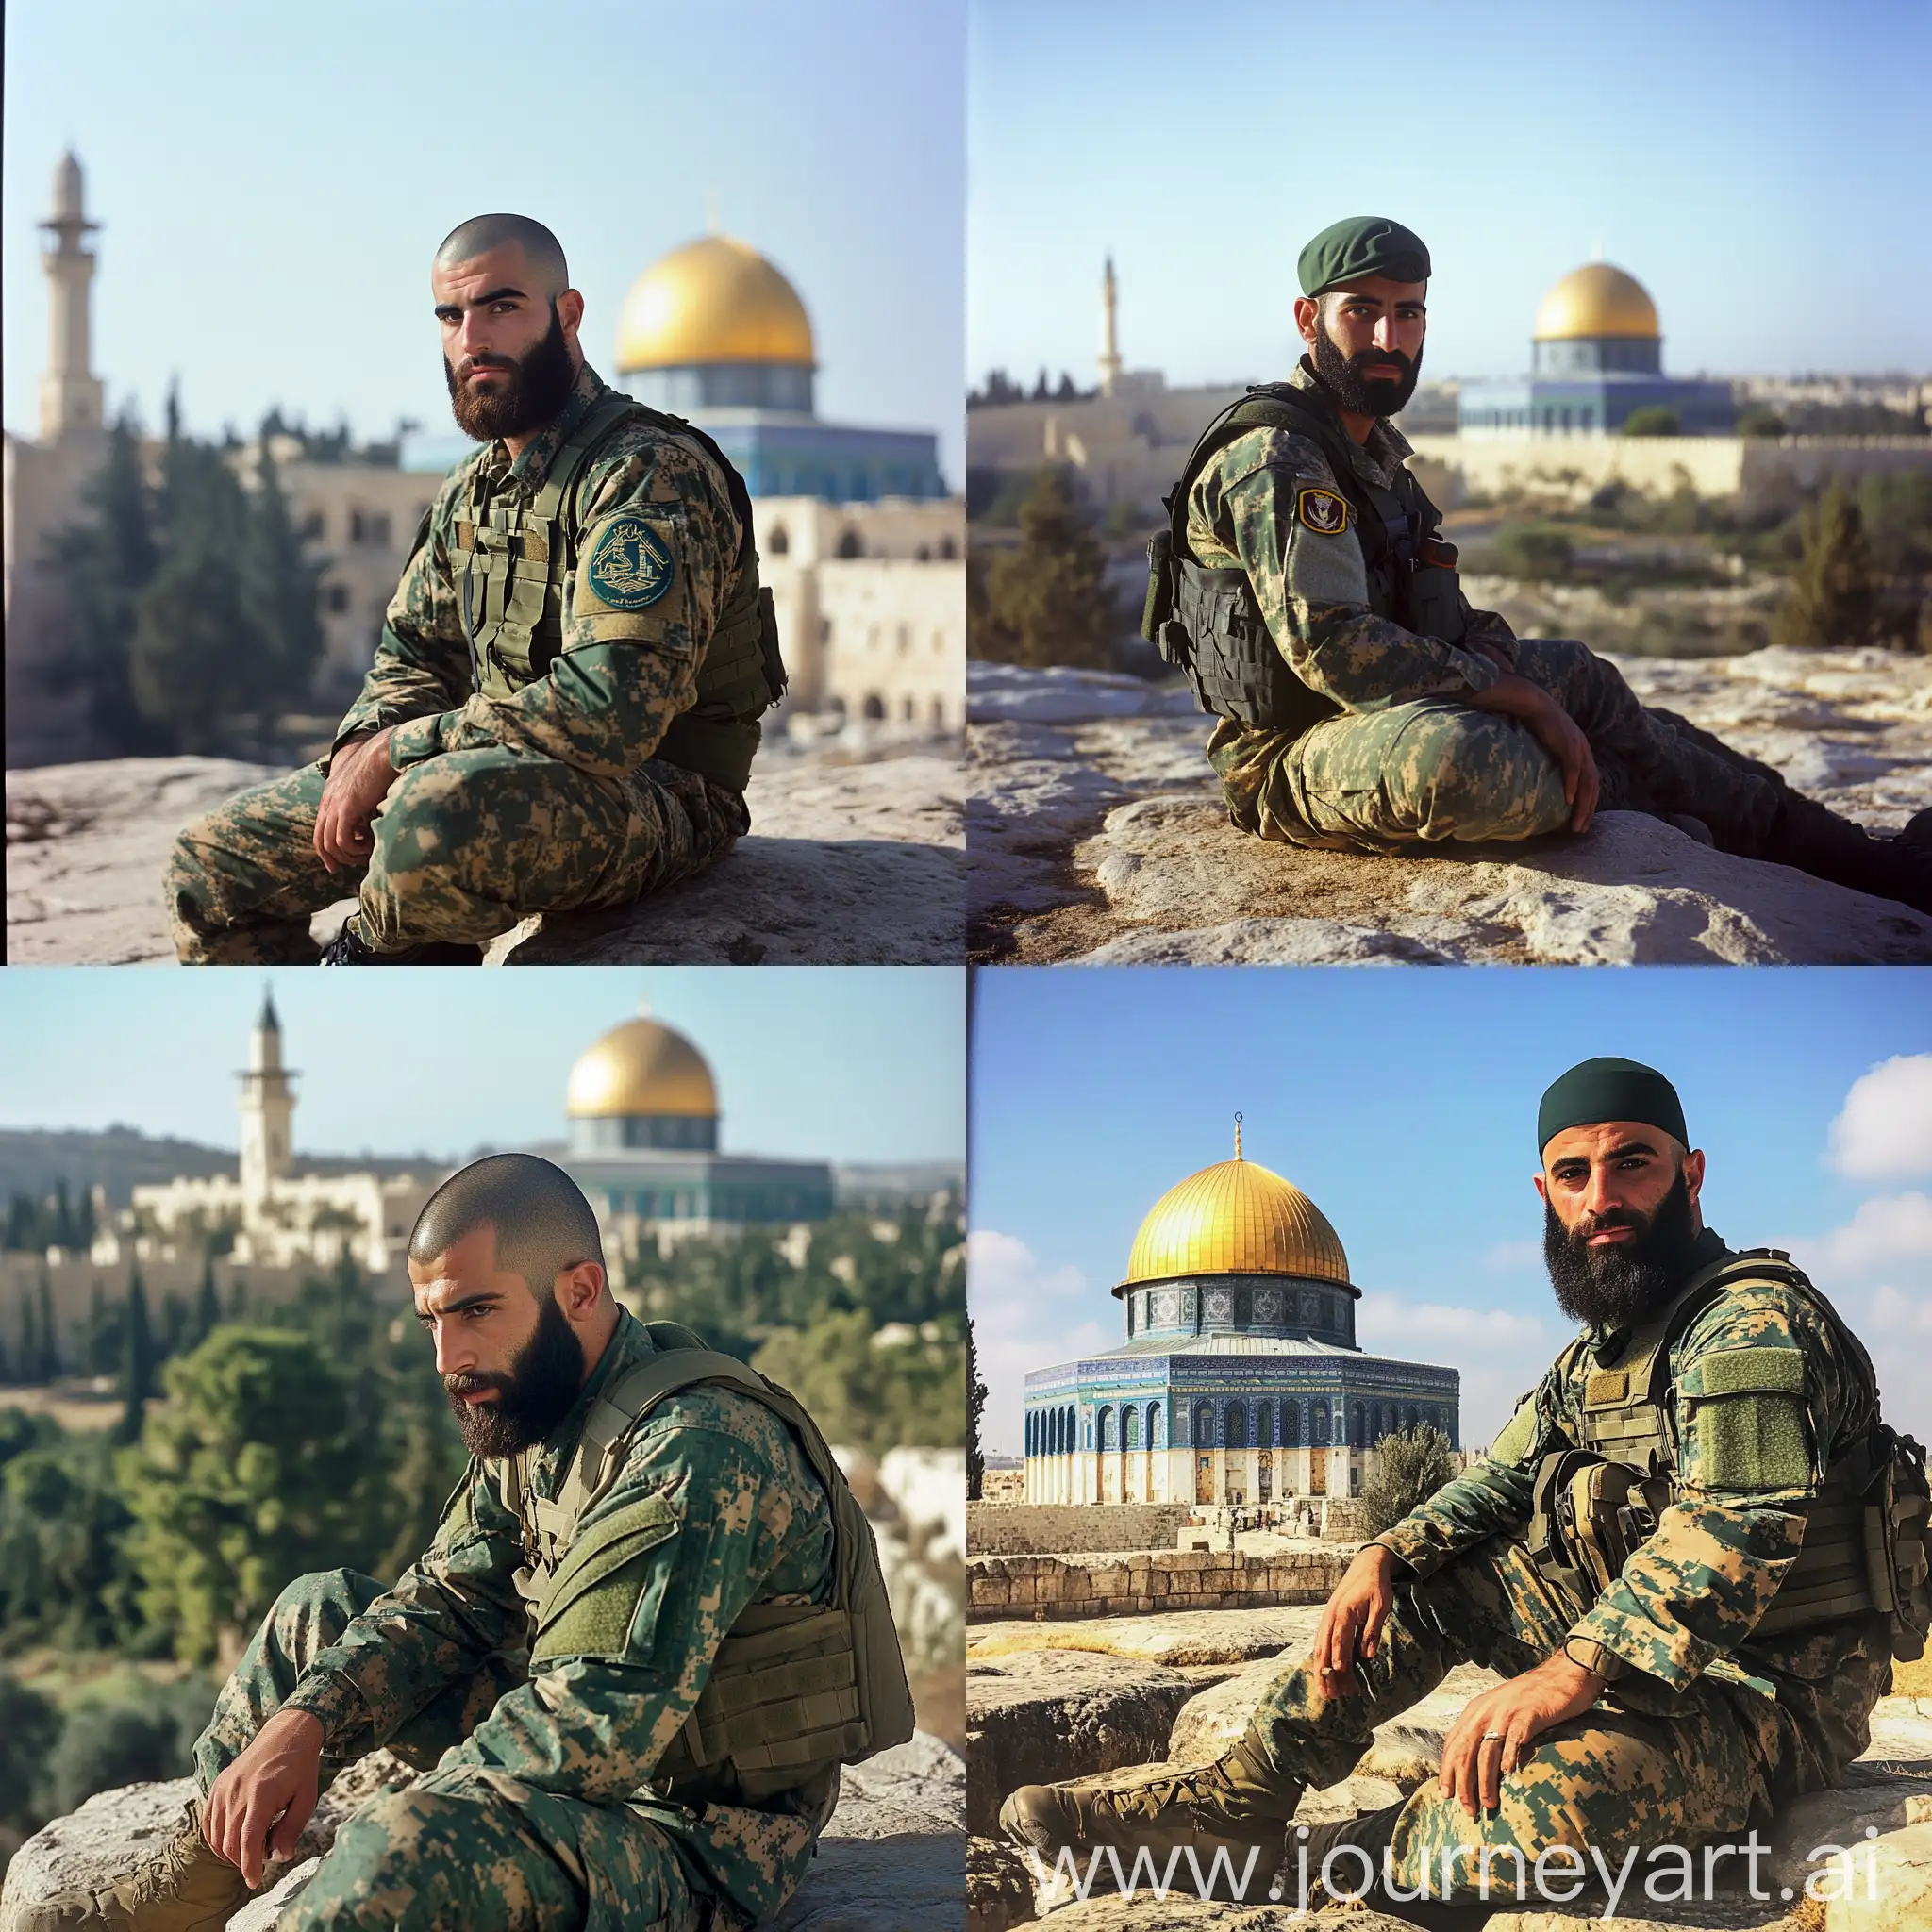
[[1815, 839], [184, 1886], [1355, 1845], [349, 948], [1233, 1804]]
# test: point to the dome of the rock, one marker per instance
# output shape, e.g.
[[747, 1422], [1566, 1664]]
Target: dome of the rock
[[1593, 301], [714, 300], [641, 1068], [1236, 1218]]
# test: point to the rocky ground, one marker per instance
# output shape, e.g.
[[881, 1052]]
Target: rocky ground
[[1097, 836], [856, 856], [1059, 1702], [892, 1857]]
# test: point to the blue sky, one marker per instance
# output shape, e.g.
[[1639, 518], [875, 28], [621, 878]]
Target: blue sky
[[857, 1063], [1404, 1102], [274, 182], [1751, 161]]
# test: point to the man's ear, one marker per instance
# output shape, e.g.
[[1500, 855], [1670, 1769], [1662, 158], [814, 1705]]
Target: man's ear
[[1307, 311], [1542, 1191], [1693, 1172], [570, 313], [577, 1290]]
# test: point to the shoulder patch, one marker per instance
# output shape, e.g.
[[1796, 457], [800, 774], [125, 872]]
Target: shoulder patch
[[630, 566], [1322, 512]]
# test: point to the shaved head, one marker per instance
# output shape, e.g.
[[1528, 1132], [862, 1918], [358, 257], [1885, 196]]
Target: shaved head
[[544, 1226], [541, 249]]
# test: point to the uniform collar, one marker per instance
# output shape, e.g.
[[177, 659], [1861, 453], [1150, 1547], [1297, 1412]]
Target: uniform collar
[[1387, 448], [526, 473]]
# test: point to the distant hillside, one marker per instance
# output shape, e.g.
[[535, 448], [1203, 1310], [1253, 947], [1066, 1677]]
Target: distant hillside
[[33, 1160]]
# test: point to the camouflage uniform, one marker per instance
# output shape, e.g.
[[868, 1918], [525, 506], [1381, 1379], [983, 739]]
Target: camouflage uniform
[[543, 802], [1403, 759], [1703, 1729], [538, 1810]]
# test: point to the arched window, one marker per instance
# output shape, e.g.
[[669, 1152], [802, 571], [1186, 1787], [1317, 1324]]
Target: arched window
[[1156, 1438], [850, 543], [1204, 1426], [1071, 1429], [1264, 1425], [1130, 1428], [938, 714], [1237, 1424], [1320, 1420], [1356, 1436], [874, 706], [949, 551], [1291, 1425], [1106, 1421], [779, 542]]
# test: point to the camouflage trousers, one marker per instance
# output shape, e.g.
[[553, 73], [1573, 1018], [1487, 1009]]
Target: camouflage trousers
[[1418, 774], [1686, 1769], [465, 845], [470, 1847]]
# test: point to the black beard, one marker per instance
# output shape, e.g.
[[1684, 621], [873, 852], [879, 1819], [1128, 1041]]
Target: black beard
[[535, 1394], [1342, 377], [1613, 1288], [533, 393]]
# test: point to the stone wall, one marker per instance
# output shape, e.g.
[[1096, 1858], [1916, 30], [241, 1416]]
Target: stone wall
[[1139, 1585], [1027, 1529]]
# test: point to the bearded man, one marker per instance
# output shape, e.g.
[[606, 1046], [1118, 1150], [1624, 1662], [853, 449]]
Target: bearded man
[[1664, 1555], [649, 1629], [563, 706], [1305, 590]]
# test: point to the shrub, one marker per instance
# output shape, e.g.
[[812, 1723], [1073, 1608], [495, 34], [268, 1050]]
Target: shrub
[[1411, 1465]]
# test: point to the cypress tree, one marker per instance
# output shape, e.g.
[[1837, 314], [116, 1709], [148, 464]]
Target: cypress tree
[[1051, 595], [50, 1341], [976, 1407], [1834, 598], [207, 1308], [95, 1358], [281, 586], [137, 1358], [29, 1341]]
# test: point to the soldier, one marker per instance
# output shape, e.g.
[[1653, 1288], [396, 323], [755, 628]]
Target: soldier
[[562, 710], [650, 1627], [1304, 588], [1663, 1554]]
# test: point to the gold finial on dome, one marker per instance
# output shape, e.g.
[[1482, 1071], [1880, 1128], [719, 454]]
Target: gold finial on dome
[[1236, 1136], [1236, 1218], [714, 300], [641, 1068], [1596, 300]]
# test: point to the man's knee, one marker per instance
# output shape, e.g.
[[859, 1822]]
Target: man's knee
[[317, 1607], [1466, 775]]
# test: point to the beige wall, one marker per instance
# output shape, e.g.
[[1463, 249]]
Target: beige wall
[[1019, 1529], [1137, 1585], [893, 634]]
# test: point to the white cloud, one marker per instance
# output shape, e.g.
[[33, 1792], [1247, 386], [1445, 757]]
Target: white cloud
[[1882, 1233], [1025, 1315], [1885, 1125], [1506, 1257]]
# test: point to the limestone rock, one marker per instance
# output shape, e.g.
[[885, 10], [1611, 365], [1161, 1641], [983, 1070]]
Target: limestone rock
[[1098, 835], [999, 1886], [1044, 1715], [1179, 1639], [1893, 1893], [849, 860], [892, 1856]]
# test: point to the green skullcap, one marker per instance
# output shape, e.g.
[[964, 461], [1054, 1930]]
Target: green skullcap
[[1363, 245], [1610, 1089]]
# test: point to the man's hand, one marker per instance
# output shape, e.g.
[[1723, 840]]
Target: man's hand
[[1515, 696], [259, 1806], [1492, 1737], [1352, 1620], [359, 777]]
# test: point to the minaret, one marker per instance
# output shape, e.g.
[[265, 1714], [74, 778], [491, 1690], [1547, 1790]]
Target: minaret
[[70, 392], [1109, 339], [267, 1102]]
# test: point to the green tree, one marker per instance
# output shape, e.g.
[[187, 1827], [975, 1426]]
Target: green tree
[[124, 1730], [1760, 420], [137, 1360], [207, 1305], [64, 1574], [247, 1478], [1410, 1466], [1050, 595], [30, 1724], [1834, 597], [49, 1337], [1653, 419], [101, 1350], [975, 1409], [871, 1390], [281, 587], [105, 562]]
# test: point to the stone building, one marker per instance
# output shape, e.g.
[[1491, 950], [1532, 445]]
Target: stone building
[[1239, 1380]]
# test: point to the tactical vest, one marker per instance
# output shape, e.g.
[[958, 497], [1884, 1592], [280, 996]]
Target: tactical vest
[[510, 565], [1598, 1502], [1207, 621], [795, 1688]]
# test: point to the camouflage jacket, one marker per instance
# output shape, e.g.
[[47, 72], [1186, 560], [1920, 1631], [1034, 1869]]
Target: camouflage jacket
[[1686, 1601], [752, 1524], [621, 677], [1312, 586]]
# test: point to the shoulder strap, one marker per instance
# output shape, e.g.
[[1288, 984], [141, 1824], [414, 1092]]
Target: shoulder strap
[[1266, 406]]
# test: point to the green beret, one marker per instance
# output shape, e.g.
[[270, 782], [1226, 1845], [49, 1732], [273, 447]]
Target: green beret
[[1363, 245], [1610, 1089]]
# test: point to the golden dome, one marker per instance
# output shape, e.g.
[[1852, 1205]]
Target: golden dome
[[1596, 300], [715, 300], [641, 1068], [1236, 1218]]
